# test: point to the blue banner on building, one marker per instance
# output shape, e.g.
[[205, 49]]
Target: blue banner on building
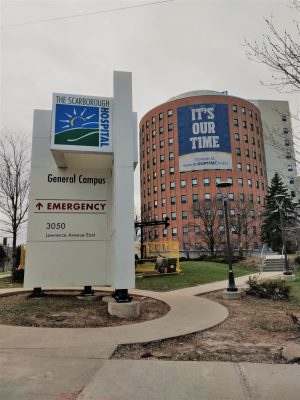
[[204, 137]]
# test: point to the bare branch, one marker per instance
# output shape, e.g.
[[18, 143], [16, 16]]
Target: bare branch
[[243, 220], [280, 52], [14, 184]]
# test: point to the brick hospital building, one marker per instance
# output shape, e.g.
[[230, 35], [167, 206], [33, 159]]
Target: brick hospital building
[[187, 146]]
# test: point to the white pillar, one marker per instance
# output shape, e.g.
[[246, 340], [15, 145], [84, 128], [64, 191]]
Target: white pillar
[[123, 187]]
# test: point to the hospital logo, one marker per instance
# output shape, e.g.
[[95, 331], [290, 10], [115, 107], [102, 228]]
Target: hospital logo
[[76, 125]]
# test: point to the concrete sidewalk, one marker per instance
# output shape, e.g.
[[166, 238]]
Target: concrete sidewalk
[[69, 364], [186, 380]]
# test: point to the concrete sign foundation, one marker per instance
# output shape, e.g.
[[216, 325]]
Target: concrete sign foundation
[[80, 229]]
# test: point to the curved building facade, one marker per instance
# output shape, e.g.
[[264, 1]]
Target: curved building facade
[[188, 145]]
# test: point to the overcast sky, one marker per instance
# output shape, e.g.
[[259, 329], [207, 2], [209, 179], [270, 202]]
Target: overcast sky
[[171, 47]]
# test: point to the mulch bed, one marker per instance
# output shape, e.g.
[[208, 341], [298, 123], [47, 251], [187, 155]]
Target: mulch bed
[[255, 331], [64, 310]]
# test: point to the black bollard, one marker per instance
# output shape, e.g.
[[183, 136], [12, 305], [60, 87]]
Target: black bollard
[[121, 296], [87, 291]]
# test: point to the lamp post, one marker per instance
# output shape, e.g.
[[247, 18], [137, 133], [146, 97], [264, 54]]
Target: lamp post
[[287, 274], [238, 214], [297, 210], [231, 292]]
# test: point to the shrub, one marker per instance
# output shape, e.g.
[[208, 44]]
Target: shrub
[[274, 290]]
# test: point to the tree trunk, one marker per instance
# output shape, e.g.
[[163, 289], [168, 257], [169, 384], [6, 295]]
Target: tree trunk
[[14, 254], [212, 249]]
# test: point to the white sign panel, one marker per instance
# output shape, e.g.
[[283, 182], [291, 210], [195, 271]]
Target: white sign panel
[[79, 214], [61, 219], [207, 160], [81, 123]]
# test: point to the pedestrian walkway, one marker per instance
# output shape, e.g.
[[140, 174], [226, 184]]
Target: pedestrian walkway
[[188, 380], [69, 364]]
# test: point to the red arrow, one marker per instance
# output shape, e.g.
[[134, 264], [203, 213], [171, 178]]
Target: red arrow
[[39, 205]]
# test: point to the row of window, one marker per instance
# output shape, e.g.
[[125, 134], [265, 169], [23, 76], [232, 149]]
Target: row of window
[[235, 121], [160, 117], [197, 231], [243, 109], [160, 131], [246, 139], [287, 143], [207, 197], [197, 246], [196, 214], [234, 109], [161, 144], [171, 156], [171, 140], [247, 153], [244, 125], [206, 181], [239, 168], [238, 152], [170, 129]]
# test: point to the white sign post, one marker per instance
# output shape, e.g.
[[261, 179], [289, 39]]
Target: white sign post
[[80, 229]]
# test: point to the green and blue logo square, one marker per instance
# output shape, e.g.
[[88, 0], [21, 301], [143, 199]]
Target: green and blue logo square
[[76, 125]]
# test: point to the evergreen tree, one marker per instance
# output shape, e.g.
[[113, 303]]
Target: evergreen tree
[[271, 228]]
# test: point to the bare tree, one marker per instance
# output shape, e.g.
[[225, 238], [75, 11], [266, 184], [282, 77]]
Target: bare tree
[[137, 230], [245, 222], [188, 242], [14, 186], [280, 51], [210, 229]]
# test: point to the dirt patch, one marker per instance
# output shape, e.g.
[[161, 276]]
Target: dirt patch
[[65, 310], [255, 331]]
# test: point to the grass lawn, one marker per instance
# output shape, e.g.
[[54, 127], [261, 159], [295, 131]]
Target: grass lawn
[[193, 273]]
